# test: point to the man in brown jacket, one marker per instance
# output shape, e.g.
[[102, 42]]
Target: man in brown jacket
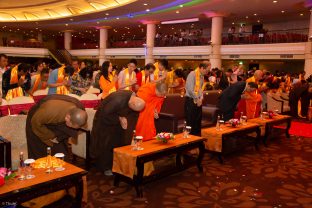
[[51, 122]]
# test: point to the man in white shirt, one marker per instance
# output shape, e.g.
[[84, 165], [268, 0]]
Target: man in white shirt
[[3, 68], [127, 77]]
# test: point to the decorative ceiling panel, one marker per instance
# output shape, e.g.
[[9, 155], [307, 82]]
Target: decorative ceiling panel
[[36, 10]]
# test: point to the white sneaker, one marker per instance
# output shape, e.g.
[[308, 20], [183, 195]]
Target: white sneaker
[[108, 172]]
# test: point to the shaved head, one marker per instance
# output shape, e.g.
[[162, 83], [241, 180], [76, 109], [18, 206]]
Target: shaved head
[[161, 89], [258, 75], [77, 118], [136, 103]]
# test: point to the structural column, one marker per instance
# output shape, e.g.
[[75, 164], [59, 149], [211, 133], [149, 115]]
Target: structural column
[[150, 41], [308, 51], [216, 41], [103, 44], [67, 39], [40, 39]]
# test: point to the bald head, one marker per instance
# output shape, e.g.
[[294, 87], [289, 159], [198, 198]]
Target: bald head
[[136, 103], [76, 118], [258, 75], [161, 89]]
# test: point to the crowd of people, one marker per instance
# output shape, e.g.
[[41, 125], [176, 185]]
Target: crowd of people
[[132, 99]]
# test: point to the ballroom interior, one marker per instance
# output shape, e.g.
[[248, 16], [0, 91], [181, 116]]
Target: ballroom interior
[[261, 157]]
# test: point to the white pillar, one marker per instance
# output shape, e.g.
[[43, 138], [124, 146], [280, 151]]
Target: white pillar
[[40, 37], [150, 41], [67, 39], [216, 41], [308, 51], [103, 44]]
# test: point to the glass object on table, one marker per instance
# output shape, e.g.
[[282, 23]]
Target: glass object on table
[[49, 164], [221, 122], [218, 123], [28, 168], [60, 161], [138, 143], [21, 167], [184, 130], [244, 120], [188, 130]]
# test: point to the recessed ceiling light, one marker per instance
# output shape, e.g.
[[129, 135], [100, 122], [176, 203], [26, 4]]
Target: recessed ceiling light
[[97, 22], [145, 4], [181, 5], [147, 10], [117, 18], [66, 24], [233, 23], [283, 11], [106, 14], [301, 14], [246, 17], [258, 21], [274, 2], [255, 14], [178, 12], [71, 19], [105, 18]]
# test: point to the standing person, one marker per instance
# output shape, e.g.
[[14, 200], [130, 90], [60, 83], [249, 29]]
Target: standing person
[[144, 76], [230, 97], [3, 68], [75, 65], [60, 80], [127, 77], [51, 122], [108, 79], [113, 124], [160, 72], [38, 68], [16, 81], [81, 81], [298, 90], [153, 94], [39, 81], [194, 97]]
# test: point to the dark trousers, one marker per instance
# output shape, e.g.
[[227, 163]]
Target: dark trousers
[[193, 116], [293, 104]]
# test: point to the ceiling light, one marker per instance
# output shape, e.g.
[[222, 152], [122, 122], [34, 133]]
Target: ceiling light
[[274, 2], [106, 14], [255, 14], [97, 22], [117, 18], [301, 14], [105, 18], [145, 4], [180, 21], [178, 12], [246, 17], [181, 5], [233, 23], [66, 25], [283, 11], [258, 21], [147, 10], [71, 19]]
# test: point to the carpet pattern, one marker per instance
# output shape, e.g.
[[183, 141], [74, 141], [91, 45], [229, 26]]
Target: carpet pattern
[[277, 176]]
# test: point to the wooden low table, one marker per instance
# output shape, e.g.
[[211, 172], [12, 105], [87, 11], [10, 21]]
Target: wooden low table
[[216, 139], [267, 125], [16, 192], [128, 162]]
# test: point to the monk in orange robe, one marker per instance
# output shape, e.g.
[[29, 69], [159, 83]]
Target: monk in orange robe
[[153, 94]]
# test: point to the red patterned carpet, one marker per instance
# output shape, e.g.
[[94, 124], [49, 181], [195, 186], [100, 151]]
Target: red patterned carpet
[[277, 176]]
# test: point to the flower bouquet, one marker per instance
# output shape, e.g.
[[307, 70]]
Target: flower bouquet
[[271, 114], [5, 174], [164, 137], [234, 122]]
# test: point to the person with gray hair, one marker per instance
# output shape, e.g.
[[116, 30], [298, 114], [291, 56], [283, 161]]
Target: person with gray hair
[[51, 122]]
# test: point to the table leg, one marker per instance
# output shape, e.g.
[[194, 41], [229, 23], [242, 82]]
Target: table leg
[[116, 180], [178, 161], [87, 162], [201, 148], [139, 178], [220, 158], [79, 193], [288, 127], [258, 132], [266, 135]]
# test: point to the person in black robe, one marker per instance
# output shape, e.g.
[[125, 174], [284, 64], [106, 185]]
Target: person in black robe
[[51, 122], [230, 97], [299, 91], [113, 126]]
